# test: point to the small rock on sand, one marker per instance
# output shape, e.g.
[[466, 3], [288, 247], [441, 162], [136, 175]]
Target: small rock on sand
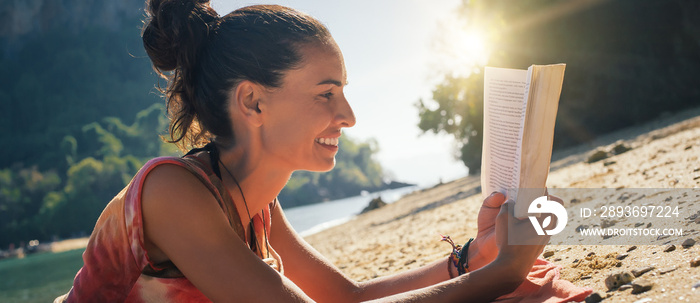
[[594, 298], [374, 204], [670, 248], [621, 256], [607, 223], [688, 243], [695, 262], [641, 285], [548, 253], [667, 270], [597, 156], [617, 279], [620, 147], [633, 247], [624, 287], [642, 270]]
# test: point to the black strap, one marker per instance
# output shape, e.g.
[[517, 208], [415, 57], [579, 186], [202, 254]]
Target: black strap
[[167, 270], [213, 156]]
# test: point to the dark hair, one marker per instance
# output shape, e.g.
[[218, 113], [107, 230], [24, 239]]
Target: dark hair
[[203, 56]]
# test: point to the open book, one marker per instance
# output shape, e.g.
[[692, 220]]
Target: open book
[[520, 108]]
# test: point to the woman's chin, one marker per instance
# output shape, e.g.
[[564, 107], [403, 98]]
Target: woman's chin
[[322, 167]]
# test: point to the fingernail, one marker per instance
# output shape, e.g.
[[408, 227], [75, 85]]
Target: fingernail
[[493, 193]]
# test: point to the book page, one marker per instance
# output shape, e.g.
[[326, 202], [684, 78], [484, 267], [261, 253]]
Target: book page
[[538, 133], [504, 116]]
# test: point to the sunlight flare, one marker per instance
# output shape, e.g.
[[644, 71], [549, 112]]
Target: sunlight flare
[[461, 50]]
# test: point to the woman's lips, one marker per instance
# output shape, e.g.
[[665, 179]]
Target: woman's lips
[[327, 141]]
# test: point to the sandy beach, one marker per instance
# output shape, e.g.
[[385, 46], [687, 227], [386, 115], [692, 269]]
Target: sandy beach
[[661, 154]]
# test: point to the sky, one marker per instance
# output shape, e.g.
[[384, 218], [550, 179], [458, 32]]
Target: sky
[[391, 61]]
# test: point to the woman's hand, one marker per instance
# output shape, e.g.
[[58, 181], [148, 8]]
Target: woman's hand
[[519, 258], [483, 249]]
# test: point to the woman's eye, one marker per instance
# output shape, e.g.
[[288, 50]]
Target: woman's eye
[[327, 95]]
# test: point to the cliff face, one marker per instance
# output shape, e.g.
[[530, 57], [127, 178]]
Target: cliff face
[[22, 17]]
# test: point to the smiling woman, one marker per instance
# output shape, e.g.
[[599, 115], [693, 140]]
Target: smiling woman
[[257, 94], [304, 116]]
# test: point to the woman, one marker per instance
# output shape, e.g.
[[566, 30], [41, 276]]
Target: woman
[[262, 87]]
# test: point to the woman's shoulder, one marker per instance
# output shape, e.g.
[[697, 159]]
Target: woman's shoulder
[[172, 169], [160, 161], [166, 181], [172, 174]]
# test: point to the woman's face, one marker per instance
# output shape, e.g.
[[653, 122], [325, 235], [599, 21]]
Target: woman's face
[[302, 119]]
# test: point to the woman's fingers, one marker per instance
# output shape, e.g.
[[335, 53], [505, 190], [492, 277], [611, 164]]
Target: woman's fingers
[[489, 210], [525, 248], [495, 200], [502, 222], [505, 207], [507, 223], [484, 249]]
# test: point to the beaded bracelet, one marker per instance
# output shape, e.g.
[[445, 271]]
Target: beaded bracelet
[[457, 258]]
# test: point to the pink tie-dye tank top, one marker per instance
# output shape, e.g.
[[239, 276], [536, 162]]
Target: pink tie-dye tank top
[[116, 267]]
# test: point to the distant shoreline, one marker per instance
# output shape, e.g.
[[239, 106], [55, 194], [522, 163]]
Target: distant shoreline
[[81, 243]]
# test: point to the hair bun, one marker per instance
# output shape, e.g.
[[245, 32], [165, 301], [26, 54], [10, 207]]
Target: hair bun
[[176, 30]]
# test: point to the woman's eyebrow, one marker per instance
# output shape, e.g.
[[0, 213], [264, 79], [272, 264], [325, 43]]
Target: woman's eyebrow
[[332, 81]]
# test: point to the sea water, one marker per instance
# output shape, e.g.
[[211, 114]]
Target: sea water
[[310, 219]]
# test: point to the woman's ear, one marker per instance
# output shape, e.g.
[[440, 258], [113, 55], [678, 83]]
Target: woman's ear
[[245, 100]]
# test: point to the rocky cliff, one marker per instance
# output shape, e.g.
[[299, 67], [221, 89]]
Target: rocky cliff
[[22, 17]]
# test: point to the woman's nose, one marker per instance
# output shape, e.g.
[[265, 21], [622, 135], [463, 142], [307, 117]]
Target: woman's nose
[[344, 114]]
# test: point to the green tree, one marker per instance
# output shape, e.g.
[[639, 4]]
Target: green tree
[[21, 194], [457, 109], [627, 62]]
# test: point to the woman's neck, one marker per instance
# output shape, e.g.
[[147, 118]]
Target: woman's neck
[[260, 182]]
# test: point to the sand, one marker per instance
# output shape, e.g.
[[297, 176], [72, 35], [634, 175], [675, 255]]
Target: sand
[[70, 244], [664, 154]]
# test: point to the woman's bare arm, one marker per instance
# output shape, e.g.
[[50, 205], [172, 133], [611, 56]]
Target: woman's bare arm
[[499, 277], [483, 285], [184, 221], [323, 282]]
